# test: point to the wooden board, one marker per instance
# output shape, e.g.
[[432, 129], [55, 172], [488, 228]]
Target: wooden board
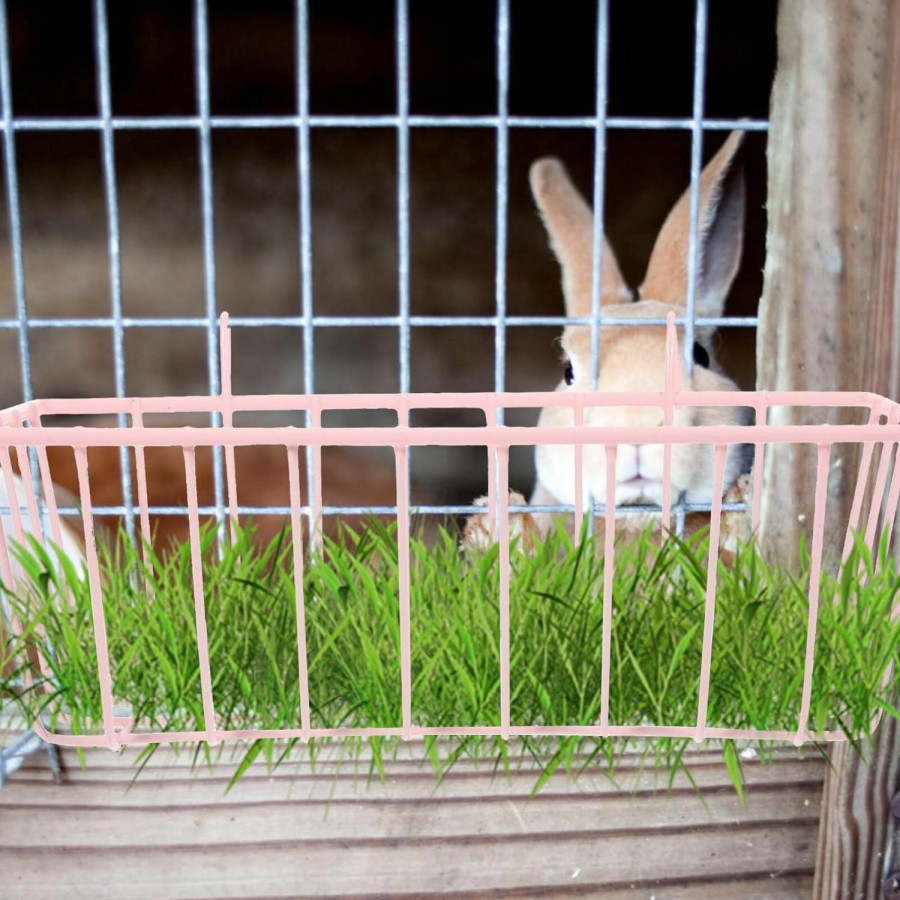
[[175, 833]]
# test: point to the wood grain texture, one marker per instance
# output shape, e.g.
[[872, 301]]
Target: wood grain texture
[[177, 834], [856, 823], [825, 153], [830, 319]]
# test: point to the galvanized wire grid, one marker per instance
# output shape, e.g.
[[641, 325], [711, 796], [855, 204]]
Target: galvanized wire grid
[[106, 123]]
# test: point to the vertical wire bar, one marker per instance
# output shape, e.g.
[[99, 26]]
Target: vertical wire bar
[[313, 454], [680, 514], [600, 105], [30, 494], [104, 672], [403, 349], [884, 465], [297, 538], [49, 497], [31, 504], [15, 509], [862, 479], [228, 420], [824, 453], [578, 422], [759, 450], [140, 467], [209, 715], [201, 74], [107, 143], [890, 510], [693, 259], [402, 60], [709, 615], [231, 481], [502, 195], [315, 498], [5, 561], [502, 459], [490, 417], [6, 571], [672, 384], [700, 28], [609, 549], [401, 468], [12, 203]]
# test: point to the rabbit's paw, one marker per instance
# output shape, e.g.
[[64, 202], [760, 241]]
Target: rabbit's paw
[[477, 532], [736, 528]]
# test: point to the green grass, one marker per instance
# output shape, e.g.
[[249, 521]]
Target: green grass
[[353, 643]]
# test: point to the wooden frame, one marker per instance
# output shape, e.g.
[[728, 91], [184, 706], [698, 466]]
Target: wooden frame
[[832, 298]]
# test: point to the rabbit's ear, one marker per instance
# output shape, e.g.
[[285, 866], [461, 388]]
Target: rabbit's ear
[[720, 233], [570, 224]]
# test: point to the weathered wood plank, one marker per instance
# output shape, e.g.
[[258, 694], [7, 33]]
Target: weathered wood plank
[[106, 825], [398, 865], [817, 310], [210, 788], [856, 819], [176, 833], [745, 886], [408, 756], [830, 319]]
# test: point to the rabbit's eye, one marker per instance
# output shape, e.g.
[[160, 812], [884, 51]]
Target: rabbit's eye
[[701, 357], [569, 373]]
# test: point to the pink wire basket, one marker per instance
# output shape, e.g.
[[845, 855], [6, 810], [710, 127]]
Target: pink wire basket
[[24, 430]]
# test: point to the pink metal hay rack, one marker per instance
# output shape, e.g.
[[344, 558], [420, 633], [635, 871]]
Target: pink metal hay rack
[[22, 428]]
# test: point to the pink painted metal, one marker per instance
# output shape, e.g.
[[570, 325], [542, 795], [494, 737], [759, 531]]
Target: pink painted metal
[[22, 427]]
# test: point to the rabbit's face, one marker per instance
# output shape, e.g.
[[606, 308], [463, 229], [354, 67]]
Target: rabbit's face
[[632, 360]]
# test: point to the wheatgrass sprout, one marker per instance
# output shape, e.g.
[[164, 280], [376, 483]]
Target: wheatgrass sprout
[[352, 619]]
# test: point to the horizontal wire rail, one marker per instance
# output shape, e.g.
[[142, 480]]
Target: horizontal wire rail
[[366, 322], [175, 123]]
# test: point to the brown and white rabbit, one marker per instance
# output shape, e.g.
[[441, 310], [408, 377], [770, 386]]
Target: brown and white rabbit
[[632, 358]]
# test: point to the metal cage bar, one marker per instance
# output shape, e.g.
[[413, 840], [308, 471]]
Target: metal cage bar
[[21, 321], [304, 211], [204, 146], [104, 98], [191, 123], [501, 186]]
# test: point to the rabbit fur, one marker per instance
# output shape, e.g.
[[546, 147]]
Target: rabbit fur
[[632, 358]]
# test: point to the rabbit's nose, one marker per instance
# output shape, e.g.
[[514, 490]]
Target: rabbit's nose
[[628, 458], [640, 455]]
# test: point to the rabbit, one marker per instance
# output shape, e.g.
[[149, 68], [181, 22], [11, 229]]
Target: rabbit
[[632, 358]]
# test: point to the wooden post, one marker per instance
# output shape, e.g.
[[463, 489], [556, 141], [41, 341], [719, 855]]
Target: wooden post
[[830, 319], [818, 310]]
